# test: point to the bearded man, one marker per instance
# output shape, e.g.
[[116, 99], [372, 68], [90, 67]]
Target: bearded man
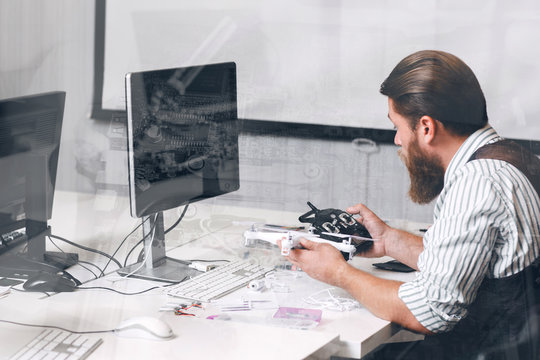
[[476, 289]]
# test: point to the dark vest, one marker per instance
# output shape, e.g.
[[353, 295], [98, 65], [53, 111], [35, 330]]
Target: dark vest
[[515, 154], [503, 321]]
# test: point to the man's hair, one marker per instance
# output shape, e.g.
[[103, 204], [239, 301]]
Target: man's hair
[[439, 85]]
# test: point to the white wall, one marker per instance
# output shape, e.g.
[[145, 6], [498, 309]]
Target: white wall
[[322, 62], [48, 45]]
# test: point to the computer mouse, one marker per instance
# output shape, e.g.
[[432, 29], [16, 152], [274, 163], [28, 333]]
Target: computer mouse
[[144, 327], [49, 282]]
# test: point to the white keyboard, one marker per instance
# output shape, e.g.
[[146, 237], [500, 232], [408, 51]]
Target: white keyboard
[[219, 281], [58, 345]]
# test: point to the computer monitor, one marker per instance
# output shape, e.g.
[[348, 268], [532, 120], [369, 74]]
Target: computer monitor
[[182, 147], [30, 129]]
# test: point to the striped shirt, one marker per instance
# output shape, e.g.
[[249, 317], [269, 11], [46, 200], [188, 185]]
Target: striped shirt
[[486, 224]]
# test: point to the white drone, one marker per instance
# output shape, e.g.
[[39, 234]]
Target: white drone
[[290, 239]]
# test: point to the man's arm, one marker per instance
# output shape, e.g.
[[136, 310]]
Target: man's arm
[[323, 262], [380, 297], [403, 246]]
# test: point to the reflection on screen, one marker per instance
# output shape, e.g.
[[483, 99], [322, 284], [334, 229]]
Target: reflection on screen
[[183, 141]]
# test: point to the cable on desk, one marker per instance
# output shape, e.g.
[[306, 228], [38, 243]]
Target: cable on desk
[[135, 293], [140, 241], [331, 301], [151, 245], [182, 309], [182, 313], [166, 231], [57, 327], [89, 263], [130, 251], [79, 262], [116, 291], [122, 243], [110, 257], [177, 221], [19, 290]]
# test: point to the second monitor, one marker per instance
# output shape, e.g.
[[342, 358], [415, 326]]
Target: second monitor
[[182, 148]]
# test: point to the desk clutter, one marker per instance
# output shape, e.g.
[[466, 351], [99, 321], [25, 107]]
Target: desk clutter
[[283, 298]]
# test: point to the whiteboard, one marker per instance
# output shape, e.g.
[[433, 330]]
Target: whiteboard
[[322, 61]]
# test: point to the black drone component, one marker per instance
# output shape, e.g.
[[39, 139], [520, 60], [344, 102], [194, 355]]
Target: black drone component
[[336, 222]]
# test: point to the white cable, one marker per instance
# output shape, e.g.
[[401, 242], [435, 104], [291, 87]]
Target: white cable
[[332, 302], [145, 254], [276, 280]]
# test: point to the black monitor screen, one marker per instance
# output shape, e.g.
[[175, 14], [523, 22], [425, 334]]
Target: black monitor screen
[[30, 130], [182, 136]]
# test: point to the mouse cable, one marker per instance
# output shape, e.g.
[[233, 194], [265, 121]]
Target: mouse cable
[[20, 290], [89, 263], [75, 280], [135, 293], [63, 271], [122, 243], [87, 249], [57, 327], [79, 262], [166, 231]]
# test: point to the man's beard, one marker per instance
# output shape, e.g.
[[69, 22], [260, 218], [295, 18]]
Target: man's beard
[[426, 174]]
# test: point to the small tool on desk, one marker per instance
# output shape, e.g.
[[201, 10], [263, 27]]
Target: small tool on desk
[[246, 305]]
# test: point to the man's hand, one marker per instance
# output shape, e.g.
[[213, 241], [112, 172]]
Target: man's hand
[[320, 261], [399, 244], [325, 263], [376, 227]]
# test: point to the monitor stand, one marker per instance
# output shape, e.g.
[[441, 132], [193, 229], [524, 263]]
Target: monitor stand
[[157, 266]]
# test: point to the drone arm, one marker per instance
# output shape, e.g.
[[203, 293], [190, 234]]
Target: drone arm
[[268, 237], [288, 240], [291, 239]]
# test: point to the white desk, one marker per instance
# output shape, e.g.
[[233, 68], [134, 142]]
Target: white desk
[[208, 234], [196, 338], [359, 331]]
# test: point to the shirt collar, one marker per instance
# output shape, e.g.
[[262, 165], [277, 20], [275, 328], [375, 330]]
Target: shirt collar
[[476, 140]]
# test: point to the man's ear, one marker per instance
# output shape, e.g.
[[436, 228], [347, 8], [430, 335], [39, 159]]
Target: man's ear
[[426, 129]]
